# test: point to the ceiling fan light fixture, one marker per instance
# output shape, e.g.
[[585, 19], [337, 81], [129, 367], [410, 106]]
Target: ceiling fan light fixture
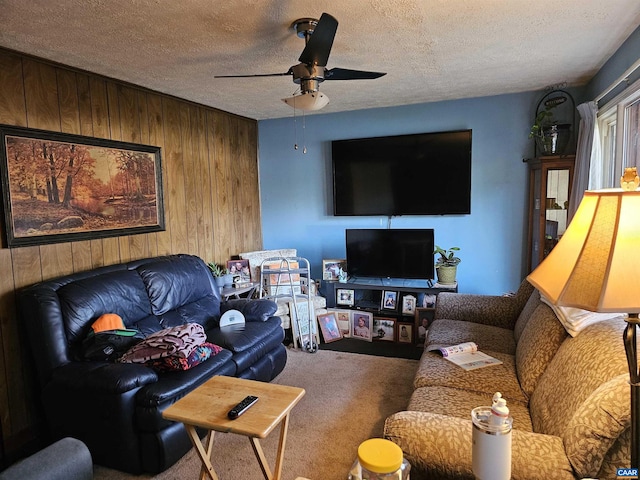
[[308, 101]]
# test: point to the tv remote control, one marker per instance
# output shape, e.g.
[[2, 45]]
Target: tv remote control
[[242, 407]]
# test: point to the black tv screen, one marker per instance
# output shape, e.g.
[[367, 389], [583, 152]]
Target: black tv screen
[[419, 174], [392, 253]]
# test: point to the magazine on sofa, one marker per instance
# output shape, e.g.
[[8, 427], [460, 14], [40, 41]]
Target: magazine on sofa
[[467, 356]]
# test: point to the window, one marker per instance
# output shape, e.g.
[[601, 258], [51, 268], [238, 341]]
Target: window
[[619, 136]]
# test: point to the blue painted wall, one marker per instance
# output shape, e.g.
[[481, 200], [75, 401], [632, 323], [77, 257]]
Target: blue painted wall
[[296, 187]]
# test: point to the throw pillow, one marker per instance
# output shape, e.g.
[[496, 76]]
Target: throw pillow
[[177, 341], [574, 320], [174, 363]]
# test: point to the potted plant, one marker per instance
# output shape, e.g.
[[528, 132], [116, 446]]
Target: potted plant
[[222, 276], [551, 137], [447, 264]]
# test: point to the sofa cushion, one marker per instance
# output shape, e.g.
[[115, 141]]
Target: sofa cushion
[[579, 367], [458, 403], [439, 446], [525, 314], [597, 424], [435, 370], [181, 290], [539, 342], [444, 333], [83, 301]]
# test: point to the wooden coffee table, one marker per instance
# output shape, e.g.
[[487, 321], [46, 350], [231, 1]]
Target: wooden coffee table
[[207, 407]]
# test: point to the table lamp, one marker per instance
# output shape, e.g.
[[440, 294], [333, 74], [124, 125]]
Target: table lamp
[[596, 266]]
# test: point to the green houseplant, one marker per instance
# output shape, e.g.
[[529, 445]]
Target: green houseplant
[[447, 264], [551, 137], [221, 274]]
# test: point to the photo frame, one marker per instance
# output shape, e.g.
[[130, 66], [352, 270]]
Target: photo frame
[[422, 320], [239, 269], [384, 329], [426, 300], [331, 269], [405, 332], [389, 300], [409, 305], [345, 296], [329, 327], [59, 187], [343, 317], [362, 325]]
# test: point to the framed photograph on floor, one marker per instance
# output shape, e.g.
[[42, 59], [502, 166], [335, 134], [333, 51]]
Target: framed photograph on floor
[[343, 318], [362, 325], [329, 327], [405, 332], [384, 329], [345, 296], [389, 300]]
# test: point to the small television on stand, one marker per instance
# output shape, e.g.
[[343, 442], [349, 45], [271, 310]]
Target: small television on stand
[[385, 254]]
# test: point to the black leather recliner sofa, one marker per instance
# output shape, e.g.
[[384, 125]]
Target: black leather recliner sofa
[[116, 408]]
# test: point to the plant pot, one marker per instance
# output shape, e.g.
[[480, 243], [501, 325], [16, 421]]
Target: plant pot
[[446, 274], [554, 139], [224, 281]]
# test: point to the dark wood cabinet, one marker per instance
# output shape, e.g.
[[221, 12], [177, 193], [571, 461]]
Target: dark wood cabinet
[[550, 180]]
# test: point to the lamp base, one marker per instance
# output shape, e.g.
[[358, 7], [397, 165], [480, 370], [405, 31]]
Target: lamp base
[[630, 347]]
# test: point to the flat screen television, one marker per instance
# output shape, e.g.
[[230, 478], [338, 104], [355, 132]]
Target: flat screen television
[[390, 253], [418, 174]]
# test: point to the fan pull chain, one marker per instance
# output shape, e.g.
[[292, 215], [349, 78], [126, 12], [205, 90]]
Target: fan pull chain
[[304, 142], [295, 130]]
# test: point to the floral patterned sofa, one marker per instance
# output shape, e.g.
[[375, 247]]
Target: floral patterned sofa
[[568, 394]]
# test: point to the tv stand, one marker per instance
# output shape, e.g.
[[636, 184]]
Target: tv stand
[[365, 294]]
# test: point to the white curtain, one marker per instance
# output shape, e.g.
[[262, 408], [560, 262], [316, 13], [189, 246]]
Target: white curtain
[[586, 137]]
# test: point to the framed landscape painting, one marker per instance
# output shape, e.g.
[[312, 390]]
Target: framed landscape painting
[[59, 187]]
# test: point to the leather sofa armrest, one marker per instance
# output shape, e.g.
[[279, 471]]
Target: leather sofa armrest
[[258, 310], [103, 377], [493, 310], [440, 445]]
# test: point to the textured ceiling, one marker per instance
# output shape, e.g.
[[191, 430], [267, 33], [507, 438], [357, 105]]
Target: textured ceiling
[[431, 49]]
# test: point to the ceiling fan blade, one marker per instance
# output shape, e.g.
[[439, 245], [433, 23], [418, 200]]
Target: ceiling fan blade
[[255, 75], [346, 74], [317, 50]]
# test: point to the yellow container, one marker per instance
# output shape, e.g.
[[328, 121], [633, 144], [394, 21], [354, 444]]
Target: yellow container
[[379, 459]]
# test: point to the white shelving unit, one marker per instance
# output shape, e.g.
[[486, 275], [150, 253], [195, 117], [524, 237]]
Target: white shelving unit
[[287, 279]]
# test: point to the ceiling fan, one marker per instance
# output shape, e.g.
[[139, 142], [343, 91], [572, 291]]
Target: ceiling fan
[[312, 69]]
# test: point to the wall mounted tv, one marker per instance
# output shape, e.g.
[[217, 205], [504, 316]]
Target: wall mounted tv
[[390, 253], [418, 174]]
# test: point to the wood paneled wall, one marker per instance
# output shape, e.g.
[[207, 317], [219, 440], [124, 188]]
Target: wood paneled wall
[[211, 195]]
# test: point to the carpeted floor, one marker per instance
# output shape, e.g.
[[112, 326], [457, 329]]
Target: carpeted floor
[[348, 396]]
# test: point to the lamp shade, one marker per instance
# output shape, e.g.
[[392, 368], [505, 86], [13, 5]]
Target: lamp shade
[[596, 264], [307, 101]]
